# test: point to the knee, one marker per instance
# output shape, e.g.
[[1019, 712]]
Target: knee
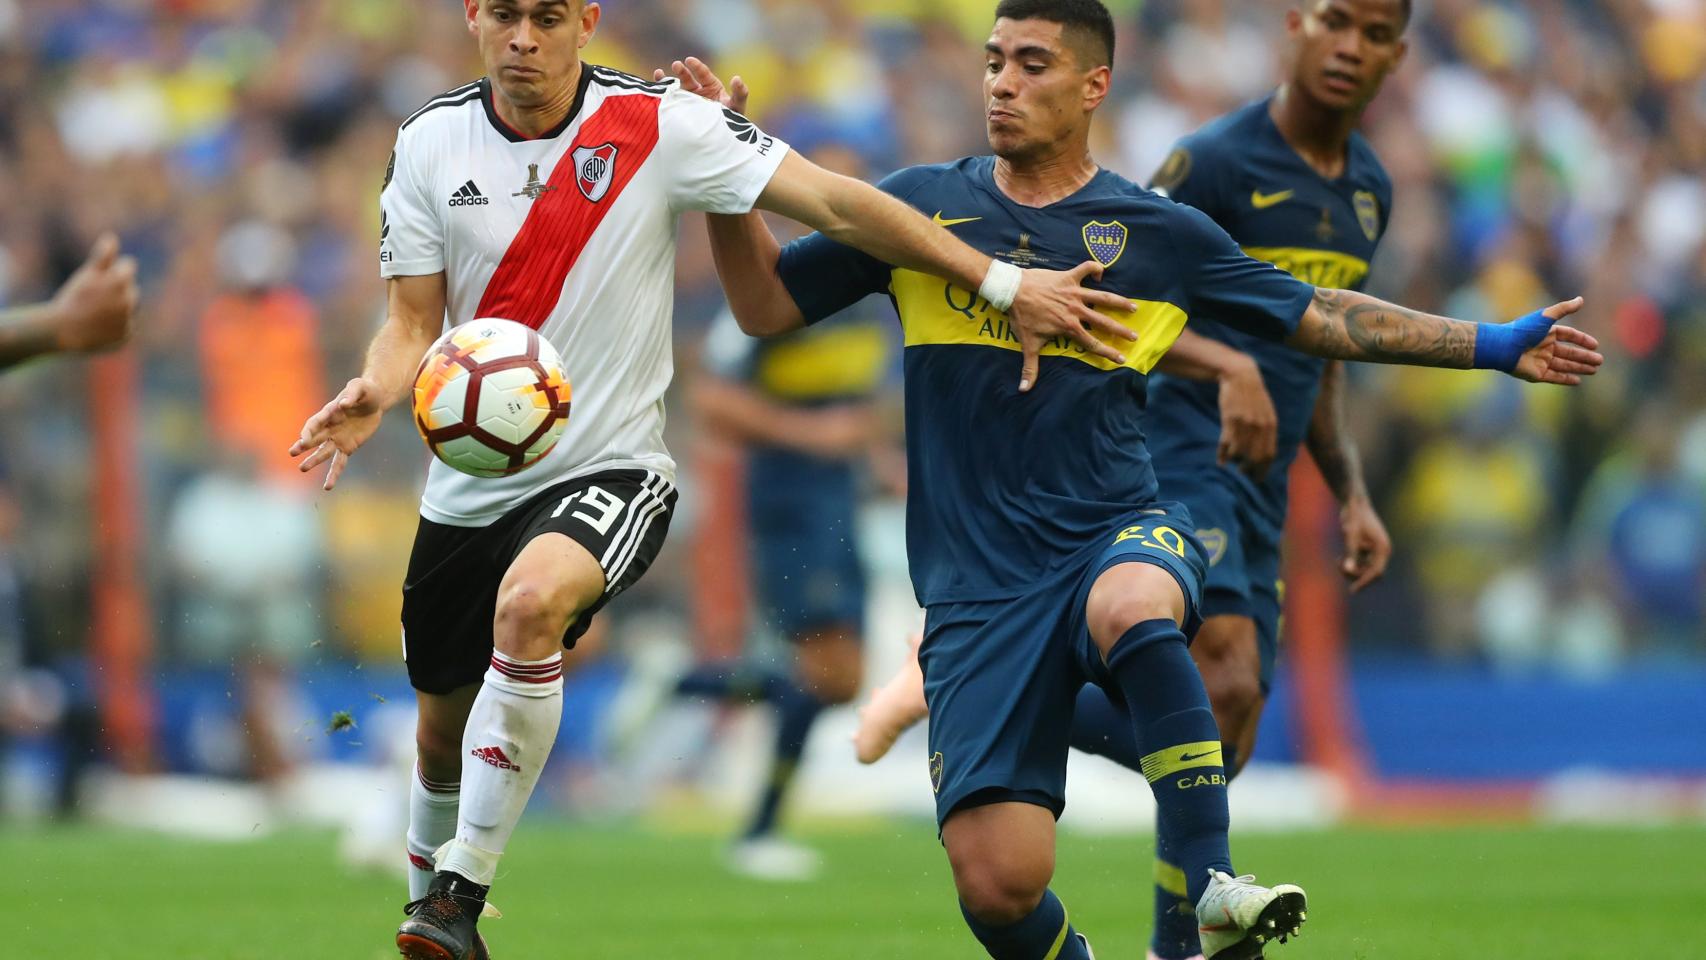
[[832, 666], [1110, 618], [439, 753], [833, 688], [530, 620], [996, 899], [999, 890], [1232, 691]]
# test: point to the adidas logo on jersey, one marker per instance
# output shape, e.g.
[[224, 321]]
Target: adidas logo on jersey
[[468, 196], [496, 757]]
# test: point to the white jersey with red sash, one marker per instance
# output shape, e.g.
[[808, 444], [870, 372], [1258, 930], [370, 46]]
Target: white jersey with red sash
[[572, 233]]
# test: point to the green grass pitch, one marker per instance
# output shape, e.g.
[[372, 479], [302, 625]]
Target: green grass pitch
[[586, 892]]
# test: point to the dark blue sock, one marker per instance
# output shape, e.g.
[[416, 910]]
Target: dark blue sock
[[796, 710], [1175, 936], [1103, 727], [1044, 934], [1180, 743]]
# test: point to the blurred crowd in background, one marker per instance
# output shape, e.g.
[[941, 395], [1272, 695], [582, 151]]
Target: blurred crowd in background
[[1539, 149]]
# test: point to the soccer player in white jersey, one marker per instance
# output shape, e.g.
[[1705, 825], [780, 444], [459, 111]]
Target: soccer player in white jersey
[[547, 193]]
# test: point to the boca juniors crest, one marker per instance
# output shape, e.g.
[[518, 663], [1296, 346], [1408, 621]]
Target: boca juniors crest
[[1105, 241], [595, 167], [1368, 213], [936, 771]]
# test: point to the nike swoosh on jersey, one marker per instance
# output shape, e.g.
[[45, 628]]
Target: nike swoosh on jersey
[[937, 219], [1187, 757], [1262, 201]]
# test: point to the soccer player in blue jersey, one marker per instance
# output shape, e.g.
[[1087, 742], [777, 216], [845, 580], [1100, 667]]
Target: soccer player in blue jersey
[[1039, 544], [1288, 178]]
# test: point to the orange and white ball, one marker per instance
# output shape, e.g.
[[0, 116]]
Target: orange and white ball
[[491, 397]]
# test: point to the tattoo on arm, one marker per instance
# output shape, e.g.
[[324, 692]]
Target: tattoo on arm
[[1330, 444], [1354, 326]]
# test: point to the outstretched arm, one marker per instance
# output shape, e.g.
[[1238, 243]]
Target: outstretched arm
[[414, 318], [1041, 303], [92, 311], [1368, 548], [1344, 325]]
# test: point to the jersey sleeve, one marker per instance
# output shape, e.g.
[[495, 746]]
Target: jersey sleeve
[[411, 238], [1195, 173], [825, 277], [1223, 284], [719, 161]]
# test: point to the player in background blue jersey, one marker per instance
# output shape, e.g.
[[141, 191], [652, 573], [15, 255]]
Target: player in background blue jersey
[[1037, 539], [802, 408], [1294, 183]]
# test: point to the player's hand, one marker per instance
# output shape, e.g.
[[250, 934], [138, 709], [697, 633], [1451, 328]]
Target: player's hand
[[339, 429], [1249, 427], [1565, 356], [838, 432], [95, 307], [1367, 547], [1055, 303], [696, 77]]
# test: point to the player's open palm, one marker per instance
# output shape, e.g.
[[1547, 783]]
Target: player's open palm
[[1565, 355], [1055, 303], [697, 77], [339, 429]]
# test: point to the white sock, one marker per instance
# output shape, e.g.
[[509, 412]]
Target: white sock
[[510, 733], [432, 823]]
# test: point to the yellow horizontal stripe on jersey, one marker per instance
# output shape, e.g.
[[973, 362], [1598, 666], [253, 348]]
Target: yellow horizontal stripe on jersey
[[934, 311], [833, 363], [1318, 268]]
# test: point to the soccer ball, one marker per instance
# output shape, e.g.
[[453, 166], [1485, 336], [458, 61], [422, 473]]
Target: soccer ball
[[491, 397]]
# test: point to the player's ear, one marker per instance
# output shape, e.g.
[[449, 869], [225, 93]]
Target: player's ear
[[1096, 84], [471, 8], [590, 13], [1293, 21]]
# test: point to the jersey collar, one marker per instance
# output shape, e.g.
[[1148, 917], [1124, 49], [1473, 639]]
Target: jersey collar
[[511, 134]]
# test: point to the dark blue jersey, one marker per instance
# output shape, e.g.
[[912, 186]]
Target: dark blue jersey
[[1008, 489], [1242, 173]]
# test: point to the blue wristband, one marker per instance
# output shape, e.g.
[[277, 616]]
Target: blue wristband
[[1498, 346]]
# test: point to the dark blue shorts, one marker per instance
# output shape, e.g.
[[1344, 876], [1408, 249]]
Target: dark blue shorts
[[1002, 676], [807, 575], [1243, 565]]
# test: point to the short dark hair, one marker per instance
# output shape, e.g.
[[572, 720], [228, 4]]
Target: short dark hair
[[1088, 18]]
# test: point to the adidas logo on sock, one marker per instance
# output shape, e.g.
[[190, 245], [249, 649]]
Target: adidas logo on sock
[[468, 196], [496, 757]]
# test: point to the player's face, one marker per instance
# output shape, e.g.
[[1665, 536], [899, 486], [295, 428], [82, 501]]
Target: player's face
[[531, 48], [1036, 93], [1345, 49]]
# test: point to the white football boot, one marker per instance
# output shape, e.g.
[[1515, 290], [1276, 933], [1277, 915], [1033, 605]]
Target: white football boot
[[1236, 918], [774, 859]]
